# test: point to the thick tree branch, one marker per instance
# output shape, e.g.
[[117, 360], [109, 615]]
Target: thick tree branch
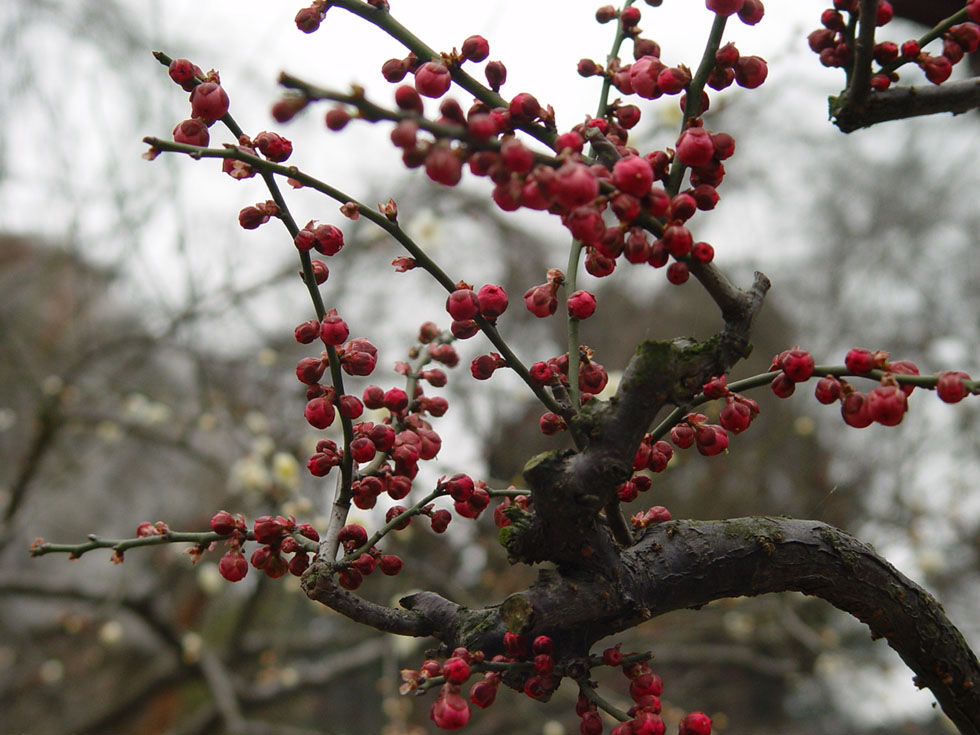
[[570, 488], [900, 103], [685, 564]]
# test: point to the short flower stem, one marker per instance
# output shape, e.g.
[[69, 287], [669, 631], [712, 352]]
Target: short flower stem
[[694, 90], [618, 524], [385, 529], [593, 696], [508, 493], [477, 668], [571, 276], [612, 56]]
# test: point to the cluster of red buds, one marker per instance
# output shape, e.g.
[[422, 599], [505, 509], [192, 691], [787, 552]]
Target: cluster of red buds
[[209, 103], [885, 404], [277, 536], [533, 663], [711, 439], [652, 456], [469, 498], [353, 537], [834, 42], [404, 438], [645, 689], [451, 711], [578, 191]]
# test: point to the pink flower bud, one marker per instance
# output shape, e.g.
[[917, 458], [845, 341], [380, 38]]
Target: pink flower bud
[[209, 102], [463, 304], [432, 79], [581, 305], [223, 523], [751, 71], [475, 48], [184, 73], [233, 566], [633, 175], [192, 132], [319, 413], [695, 147]]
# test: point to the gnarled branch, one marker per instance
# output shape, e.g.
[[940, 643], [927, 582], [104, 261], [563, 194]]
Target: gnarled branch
[[684, 564], [899, 103]]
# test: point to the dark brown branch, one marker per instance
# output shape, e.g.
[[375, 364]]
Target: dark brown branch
[[687, 564], [684, 564], [900, 103], [569, 489], [319, 585]]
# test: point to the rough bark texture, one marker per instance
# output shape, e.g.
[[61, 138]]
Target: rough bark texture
[[570, 488], [685, 564], [904, 102]]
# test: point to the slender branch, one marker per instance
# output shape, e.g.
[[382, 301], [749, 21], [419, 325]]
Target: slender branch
[[611, 58], [372, 112], [617, 523], [397, 520], [848, 36], [326, 669], [50, 420], [819, 371], [201, 539], [400, 33], [75, 551], [860, 82], [693, 107], [508, 493], [223, 690], [588, 691], [571, 278], [694, 90]]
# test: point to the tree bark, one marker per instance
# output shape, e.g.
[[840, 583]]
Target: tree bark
[[685, 564]]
